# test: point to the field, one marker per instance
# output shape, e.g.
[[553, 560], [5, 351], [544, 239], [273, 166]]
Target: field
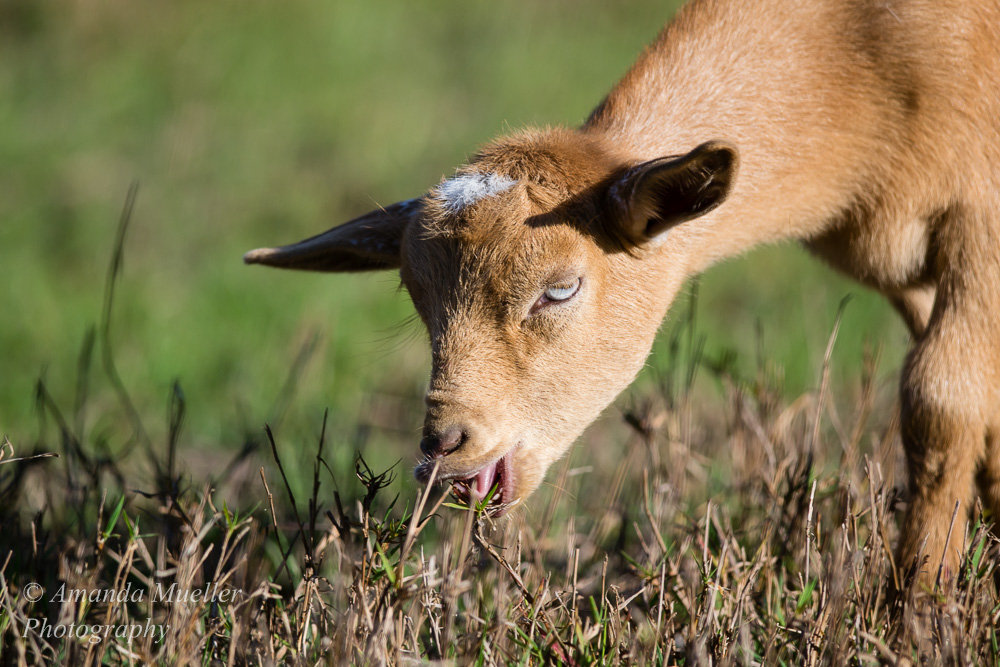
[[736, 506]]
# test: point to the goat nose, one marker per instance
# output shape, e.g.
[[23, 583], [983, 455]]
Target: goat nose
[[436, 445]]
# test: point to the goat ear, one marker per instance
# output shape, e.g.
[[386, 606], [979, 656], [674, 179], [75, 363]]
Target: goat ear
[[368, 243], [654, 196]]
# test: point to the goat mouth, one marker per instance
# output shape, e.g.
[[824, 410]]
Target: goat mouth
[[495, 481]]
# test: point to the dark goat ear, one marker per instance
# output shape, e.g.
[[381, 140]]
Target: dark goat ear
[[368, 243], [654, 196]]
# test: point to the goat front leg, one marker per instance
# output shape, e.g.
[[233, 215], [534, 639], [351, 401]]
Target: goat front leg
[[914, 305], [944, 399]]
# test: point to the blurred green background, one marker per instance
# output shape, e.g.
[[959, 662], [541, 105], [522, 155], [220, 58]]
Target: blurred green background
[[251, 123]]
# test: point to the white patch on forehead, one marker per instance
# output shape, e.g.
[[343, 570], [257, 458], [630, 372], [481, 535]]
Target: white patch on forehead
[[463, 191]]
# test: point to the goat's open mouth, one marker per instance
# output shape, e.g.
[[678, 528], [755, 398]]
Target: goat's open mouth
[[495, 481]]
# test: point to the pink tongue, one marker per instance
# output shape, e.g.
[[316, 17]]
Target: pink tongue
[[483, 481]]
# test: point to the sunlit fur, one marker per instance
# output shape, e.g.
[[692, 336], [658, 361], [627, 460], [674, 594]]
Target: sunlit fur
[[867, 129], [457, 194]]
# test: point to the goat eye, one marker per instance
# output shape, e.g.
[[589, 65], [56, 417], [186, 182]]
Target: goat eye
[[556, 294], [562, 292]]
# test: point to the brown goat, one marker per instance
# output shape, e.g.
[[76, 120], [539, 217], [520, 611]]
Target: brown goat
[[867, 129]]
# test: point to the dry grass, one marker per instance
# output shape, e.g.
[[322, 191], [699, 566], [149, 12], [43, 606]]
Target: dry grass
[[784, 557]]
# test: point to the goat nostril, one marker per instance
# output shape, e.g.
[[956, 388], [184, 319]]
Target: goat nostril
[[436, 445], [429, 445]]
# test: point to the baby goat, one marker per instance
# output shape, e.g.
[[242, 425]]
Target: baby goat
[[867, 129]]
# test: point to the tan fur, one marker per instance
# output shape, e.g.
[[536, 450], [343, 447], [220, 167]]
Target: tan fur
[[867, 129]]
